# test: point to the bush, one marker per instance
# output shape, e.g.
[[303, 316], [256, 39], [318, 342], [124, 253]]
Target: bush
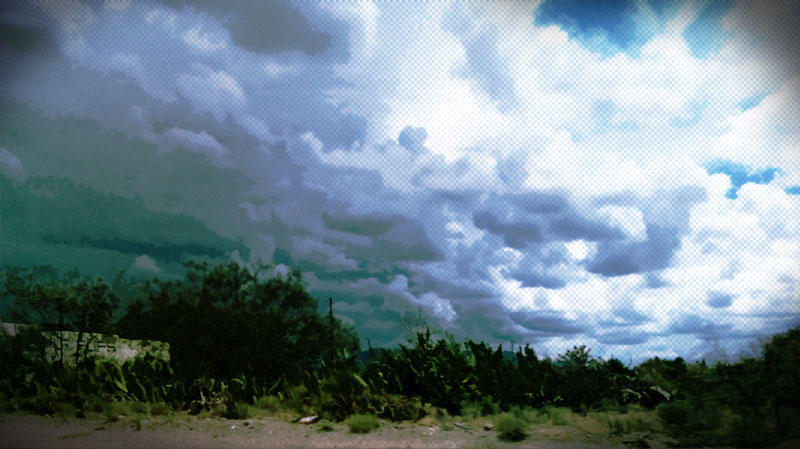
[[159, 409], [43, 403], [470, 409], [510, 428], [238, 410], [517, 412], [66, 410], [559, 416], [362, 423], [269, 403], [325, 426], [673, 413]]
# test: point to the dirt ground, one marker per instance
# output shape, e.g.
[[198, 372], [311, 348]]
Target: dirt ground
[[29, 431]]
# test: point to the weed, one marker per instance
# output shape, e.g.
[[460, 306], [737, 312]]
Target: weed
[[559, 416], [519, 413], [66, 410], [139, 407], [362, 423], [238, 410], [117, 409], [95, 403], [510, 428], [325, 426], [470, 410], [269, 403], [160, 409]]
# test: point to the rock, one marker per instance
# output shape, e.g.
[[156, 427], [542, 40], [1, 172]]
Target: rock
[[248, 423], [488, 426], [309, 420], [465, 427]]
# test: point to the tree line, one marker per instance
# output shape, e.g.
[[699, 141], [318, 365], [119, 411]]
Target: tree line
[[240, 334]]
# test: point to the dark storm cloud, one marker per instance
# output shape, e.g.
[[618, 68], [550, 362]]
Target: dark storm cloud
[[540, 217], [515, 235], [368, 226], [666, 217], [694, 324], [546, 323], [413, 139], [407, 240], [623, 258], [277, 27], [718, 300], [622, 337], [541, 202], [538, 279], [53, 213]]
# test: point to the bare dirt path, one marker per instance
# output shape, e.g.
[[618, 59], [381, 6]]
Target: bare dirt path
[[29, 431]]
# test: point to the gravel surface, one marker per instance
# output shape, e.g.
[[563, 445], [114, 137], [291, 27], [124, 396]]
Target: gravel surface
[[30, 431]]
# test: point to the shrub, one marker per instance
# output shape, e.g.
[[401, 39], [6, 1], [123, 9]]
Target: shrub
[[325, 426], [159, 409], [238, 410], [139, 407], [269, 403], [510, 427], [559, 416], [66, 410], [43, 403], [470, 409], [362, 423], [489, 407], [5, 403], [517, 412], [673, 413], [95, 403]]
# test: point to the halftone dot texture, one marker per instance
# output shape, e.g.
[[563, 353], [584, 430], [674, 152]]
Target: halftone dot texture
[[620, 175]]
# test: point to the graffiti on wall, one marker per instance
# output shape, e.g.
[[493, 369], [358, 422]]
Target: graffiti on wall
[[65, 344]]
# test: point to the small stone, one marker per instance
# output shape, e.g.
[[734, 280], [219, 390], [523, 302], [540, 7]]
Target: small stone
[[488, 426], [309, 420], [247, 423], [233, 426]]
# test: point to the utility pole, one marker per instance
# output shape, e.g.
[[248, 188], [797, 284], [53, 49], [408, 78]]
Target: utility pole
[[330, 319]]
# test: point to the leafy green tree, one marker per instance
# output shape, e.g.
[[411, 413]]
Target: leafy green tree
[[227, 321], [67, 303]]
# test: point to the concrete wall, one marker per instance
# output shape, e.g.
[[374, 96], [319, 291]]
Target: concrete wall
[[100, 345]]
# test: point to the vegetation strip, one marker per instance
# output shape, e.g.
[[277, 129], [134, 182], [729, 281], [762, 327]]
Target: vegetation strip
[[243, 343]]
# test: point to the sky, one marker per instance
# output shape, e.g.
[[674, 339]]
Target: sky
[[623, 175]]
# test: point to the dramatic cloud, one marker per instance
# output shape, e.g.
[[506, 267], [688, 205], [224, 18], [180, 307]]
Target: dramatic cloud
[[621, 175]]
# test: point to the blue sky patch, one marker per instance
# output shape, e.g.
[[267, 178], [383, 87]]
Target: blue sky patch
[[752, 101], [793, 190], [740, 175], [607, 29], [705, 35]]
